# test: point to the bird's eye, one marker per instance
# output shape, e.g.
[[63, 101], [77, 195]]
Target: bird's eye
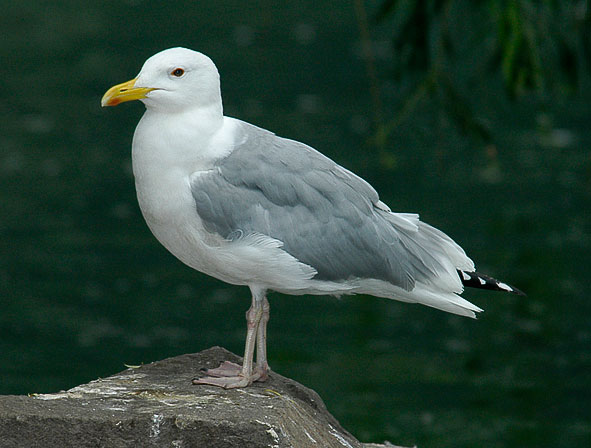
[[178, 72]]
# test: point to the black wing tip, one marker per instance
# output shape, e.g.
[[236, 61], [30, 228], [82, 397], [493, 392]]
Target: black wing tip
[[482, 281]]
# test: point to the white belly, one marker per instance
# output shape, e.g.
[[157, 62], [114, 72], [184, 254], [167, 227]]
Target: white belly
[[163, 160], [167, 206]]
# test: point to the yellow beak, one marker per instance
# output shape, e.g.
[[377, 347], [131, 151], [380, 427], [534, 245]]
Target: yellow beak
[[124, 92]]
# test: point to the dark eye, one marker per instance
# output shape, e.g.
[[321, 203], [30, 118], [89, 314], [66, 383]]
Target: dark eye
[[178, 72]]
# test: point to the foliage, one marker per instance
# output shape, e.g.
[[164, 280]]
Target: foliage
[[537, 46]]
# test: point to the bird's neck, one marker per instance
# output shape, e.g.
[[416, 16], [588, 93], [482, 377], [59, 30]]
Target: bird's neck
[[179, 141]]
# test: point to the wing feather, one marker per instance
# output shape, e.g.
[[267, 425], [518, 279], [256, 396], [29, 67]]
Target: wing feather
[[325, 216]]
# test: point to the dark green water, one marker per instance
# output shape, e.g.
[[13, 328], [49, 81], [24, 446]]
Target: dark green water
[[85, 288]]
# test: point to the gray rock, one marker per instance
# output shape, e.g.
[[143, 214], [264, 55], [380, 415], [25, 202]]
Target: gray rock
[[156, 405]]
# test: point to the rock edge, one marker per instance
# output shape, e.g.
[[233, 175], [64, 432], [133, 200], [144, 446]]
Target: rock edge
[[155, 405]]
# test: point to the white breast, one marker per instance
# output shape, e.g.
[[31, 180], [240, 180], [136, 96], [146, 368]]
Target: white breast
[[165, 153]]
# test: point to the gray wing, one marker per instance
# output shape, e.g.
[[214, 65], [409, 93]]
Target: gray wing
[[324, 215]]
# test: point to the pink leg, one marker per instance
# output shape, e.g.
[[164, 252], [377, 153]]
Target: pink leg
[[262, 366], [229, 375]]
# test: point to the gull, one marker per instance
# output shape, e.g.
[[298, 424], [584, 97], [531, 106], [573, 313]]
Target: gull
[[245, 206]]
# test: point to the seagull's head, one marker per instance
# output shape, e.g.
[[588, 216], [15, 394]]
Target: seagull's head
[[172, 80]]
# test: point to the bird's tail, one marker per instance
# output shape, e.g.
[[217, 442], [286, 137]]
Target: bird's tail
[[481, 281]]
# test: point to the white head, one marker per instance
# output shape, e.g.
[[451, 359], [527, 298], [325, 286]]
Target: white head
[[173, 80]]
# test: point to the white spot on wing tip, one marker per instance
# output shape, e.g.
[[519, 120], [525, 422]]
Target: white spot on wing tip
[[482, 281], [465, 276], [504, 286]]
